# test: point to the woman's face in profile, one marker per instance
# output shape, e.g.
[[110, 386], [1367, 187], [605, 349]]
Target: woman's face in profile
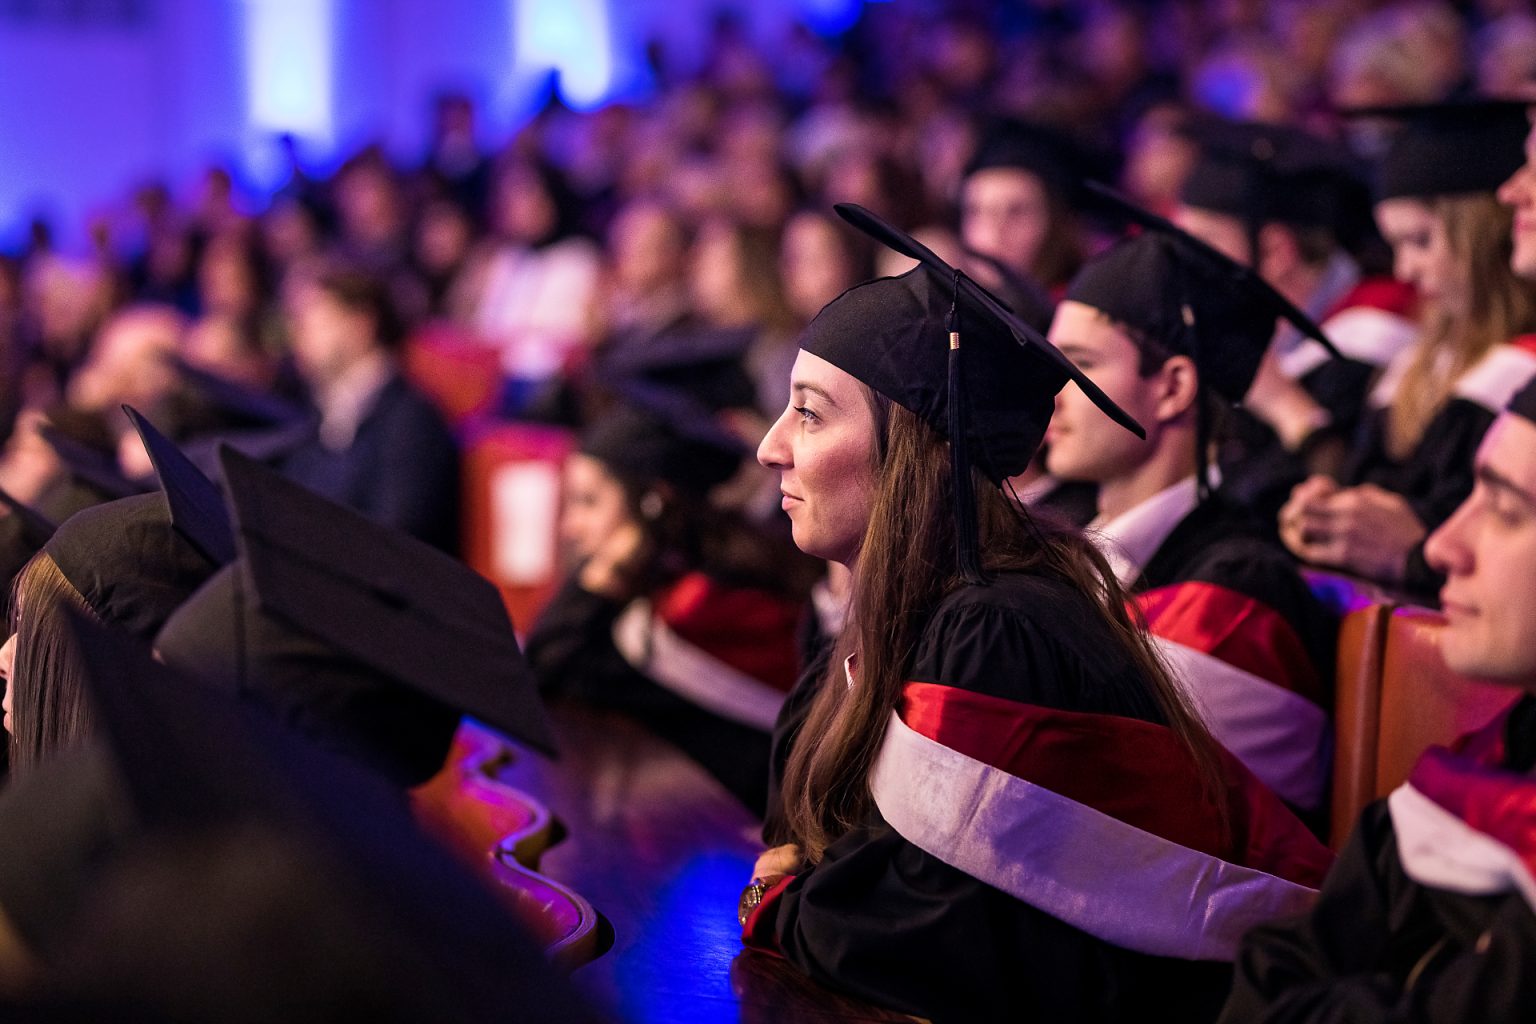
[[593, 505], [7, 665], [1421, 252], [823, 447]]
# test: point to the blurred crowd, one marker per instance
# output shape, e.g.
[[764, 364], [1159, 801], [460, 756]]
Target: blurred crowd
[[695, 225]]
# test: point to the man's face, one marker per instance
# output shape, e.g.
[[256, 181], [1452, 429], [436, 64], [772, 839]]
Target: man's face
[[1082, 442], [1487, 551], [1005, 213], [1520, 192]]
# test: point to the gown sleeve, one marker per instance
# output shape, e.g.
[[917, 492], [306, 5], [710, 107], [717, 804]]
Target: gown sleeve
[[1374, 949]]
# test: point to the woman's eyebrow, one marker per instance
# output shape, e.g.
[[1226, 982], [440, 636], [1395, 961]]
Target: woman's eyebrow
[[801, 385]]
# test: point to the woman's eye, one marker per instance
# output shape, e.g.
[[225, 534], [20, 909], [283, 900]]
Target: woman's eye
[[806, 414]]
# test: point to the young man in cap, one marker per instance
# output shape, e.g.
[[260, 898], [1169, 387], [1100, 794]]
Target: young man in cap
[[1173, 331], [1429, 914], [1281, 201]]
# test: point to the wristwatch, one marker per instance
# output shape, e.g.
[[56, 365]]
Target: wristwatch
[[751, 896]]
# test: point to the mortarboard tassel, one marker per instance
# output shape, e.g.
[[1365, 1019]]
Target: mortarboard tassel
[[967, 543]]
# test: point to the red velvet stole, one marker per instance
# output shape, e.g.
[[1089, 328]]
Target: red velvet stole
[[1136, 772], [1241, 631]]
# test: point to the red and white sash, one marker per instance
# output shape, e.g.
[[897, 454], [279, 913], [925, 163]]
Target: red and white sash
[[649, 644], [1465, 825], [1248, 674], [1096, 820]]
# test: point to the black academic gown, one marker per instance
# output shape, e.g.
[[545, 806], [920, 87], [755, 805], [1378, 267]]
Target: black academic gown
[[401, 469], [571, 651], [1381, 947], [891, 924], [1435, 478], [1220, 543]]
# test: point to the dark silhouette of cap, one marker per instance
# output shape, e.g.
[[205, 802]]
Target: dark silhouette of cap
[[196, 506], [353, 630], [272, 881]]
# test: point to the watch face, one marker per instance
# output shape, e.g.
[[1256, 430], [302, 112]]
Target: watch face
[[751, 896]]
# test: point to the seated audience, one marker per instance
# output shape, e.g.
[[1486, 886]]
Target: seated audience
[[1428, 915], [1411, 464]]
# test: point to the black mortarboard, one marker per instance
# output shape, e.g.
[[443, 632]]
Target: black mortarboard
[[660, 435], [1058, 160], [937, 343], [129, 563], [23, 532], [1450, 148], [196, 506], [1174, 289], [235, 405], [708, 364], [342, 908], [354, 630], [1264, 173]]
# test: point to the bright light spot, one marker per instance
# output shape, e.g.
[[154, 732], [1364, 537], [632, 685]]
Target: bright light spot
[[570, 37], [288, 54], [830, 17]]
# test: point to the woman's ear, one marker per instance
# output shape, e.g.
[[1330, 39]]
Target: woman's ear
[[1178, 388]]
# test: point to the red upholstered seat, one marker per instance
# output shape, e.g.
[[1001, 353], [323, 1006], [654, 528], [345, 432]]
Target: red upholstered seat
[[460, 375], [512, 509], [1357, 714], [1422, 701]]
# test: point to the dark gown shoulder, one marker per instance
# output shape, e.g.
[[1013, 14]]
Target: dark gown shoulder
[[884, 920], [1380, 947], [1219, 543], [401, 469], [571, 651], [1034, 640]]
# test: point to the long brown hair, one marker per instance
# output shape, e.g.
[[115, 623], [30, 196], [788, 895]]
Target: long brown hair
[[905, 567], [1498, 306], [50, 711]]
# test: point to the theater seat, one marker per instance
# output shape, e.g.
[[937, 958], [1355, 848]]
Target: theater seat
[[1357, 714], [1422, 701], [460, 375], [511, 511]]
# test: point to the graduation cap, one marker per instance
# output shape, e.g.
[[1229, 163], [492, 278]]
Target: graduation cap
[[196, 506], [354, 632], [936, 342], [1058, 160], [23, 532], [1270, 173], [707, 363], [129, 562], [1174, 289], [1451, 148], [315, 895], [239, 405], [660, 434]]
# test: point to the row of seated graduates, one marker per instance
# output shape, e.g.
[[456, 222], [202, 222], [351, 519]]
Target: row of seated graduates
[[1266, 218], [313, 670]]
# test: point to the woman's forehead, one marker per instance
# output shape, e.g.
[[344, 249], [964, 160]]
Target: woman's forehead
[[812, 371]]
